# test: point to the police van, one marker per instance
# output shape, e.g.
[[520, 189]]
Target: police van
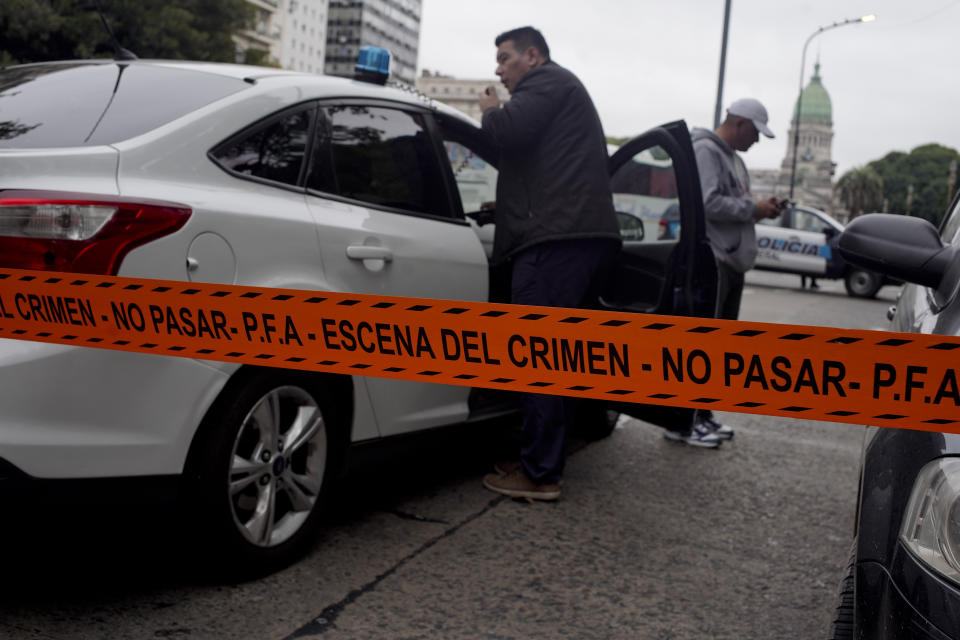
[[803, 240]]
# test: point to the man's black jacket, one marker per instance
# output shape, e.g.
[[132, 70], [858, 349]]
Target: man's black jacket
[[553, 182]]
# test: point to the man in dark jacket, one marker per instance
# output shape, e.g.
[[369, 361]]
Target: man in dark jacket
[[555, 220]]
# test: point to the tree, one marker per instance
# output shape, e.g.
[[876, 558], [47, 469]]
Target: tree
[[860, 190], [927, 168], [39, 30]]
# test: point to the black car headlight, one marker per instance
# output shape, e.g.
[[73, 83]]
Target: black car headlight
[[931, 524]]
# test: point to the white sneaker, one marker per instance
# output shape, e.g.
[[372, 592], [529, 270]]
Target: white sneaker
[[722, 431], [699, 436]]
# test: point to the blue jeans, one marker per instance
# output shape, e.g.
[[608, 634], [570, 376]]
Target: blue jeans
[[563, 273]]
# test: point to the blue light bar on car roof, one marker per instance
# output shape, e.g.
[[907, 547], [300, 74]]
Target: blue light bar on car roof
[[373, 65]]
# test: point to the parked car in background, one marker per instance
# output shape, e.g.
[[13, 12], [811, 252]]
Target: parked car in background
[[261, 177], [669, 226], [903, 580], [803, 240]]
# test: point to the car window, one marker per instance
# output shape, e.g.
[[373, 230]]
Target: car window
[[273, 151], [805, 221], [472, 159], [81, 104], [646, 188], [951, 224], [380, 156], [475, 177]]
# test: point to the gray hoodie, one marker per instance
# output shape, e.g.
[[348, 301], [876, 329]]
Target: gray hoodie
[[727, 203]]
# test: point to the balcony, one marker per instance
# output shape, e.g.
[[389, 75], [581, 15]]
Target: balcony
[[269, 5]]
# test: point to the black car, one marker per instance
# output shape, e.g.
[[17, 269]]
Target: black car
[[903, 579]]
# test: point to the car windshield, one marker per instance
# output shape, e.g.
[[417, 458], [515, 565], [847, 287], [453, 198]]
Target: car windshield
[[83, 104]]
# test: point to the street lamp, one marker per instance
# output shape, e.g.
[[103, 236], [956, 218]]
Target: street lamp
[[723, 64], [803, 61]]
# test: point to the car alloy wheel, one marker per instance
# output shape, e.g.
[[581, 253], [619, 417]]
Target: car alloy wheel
[[261, 467], [277, 467], [861, 283]]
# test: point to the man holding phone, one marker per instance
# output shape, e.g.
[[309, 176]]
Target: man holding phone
[[731, 213], [730, 210]]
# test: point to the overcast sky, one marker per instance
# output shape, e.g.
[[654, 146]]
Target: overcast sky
[[894, 82]]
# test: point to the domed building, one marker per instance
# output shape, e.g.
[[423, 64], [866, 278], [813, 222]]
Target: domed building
[[813, 184]]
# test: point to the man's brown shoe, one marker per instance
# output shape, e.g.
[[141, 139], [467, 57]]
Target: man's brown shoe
[[518, 485], [506, 467]]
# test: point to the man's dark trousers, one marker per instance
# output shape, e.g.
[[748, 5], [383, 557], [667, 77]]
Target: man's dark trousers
[[730, 291], [562, 273]]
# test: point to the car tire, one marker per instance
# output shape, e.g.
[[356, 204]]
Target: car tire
[[861, 283], [261, 468], [593, 421], [842, 627]]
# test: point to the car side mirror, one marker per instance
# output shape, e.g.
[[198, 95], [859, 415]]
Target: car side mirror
[[829, 231], [631, 228], [899, 246]]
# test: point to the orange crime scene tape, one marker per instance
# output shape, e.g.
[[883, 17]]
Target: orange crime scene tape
[[841, 375]]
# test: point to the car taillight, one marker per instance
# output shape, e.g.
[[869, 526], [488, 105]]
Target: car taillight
[[79, 233]]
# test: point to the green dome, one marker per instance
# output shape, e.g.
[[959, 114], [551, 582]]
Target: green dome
[[815, 104]]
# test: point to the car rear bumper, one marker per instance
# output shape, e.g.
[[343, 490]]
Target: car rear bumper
[[75, 412], [22, 489]]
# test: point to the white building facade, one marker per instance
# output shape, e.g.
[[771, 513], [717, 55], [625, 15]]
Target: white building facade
[[813, 183], [391, 24], [303, 37], [291, 34], [263, 35], [457, 93]]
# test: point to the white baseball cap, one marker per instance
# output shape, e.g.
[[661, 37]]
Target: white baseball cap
[[753, 111]]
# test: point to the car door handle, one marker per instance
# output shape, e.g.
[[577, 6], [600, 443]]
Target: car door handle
[[366, 252]]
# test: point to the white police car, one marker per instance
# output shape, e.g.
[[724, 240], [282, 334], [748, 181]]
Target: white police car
[[803, 240], [261, 177]]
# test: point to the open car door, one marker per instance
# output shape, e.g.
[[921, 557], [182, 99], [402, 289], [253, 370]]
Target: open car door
[[666, 265]]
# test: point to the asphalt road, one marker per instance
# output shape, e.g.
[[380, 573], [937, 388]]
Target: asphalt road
[[651, 539]]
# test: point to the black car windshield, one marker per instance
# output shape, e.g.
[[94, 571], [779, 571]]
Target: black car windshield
[[82, 104]]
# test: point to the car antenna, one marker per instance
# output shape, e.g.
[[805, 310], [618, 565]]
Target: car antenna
[[119, 53]]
